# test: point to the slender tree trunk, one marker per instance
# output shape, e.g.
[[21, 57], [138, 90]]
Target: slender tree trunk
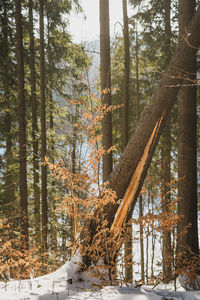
[[9, 158], [187, 142], [53, 223], [73, 159], [137, 75], [126, 76], [147, 244], [153, 240], [43, 131], [125, 131], [147, 256], [53, 218], [141, 239], [165, 179], [140, 196], [22, 126], [137, 156], [36, 188], [9, 184], [105, 85], [166, 155]]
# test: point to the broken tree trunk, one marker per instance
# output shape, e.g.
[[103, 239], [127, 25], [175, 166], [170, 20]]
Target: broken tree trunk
[[131, 170]]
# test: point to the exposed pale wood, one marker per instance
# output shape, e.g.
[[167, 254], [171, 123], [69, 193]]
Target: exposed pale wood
[[124, 208]]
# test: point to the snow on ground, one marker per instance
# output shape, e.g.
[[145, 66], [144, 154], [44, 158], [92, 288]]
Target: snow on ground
[[57, 286]]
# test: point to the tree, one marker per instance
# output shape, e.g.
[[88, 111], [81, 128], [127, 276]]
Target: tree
[[34, 102], [22, 126], [130, 172], [9, 180], [138, 117], [166, 151], [105, 85], [43, 130], [126, 75], [187, 143], [128, 240]]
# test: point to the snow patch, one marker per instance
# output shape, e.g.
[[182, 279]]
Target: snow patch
[[57, 286]]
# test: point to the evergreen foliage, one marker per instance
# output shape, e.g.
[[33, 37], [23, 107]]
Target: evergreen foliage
[[63, 136]]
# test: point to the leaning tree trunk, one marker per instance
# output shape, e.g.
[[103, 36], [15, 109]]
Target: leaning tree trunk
[[128, 176]]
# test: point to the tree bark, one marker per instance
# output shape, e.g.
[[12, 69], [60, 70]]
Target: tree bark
[[53, 218], [126, 76], [43, 131], [9, 182], [141, 239], [143, 142], [125, 135], [165, 179], [166, 154], [36, 188], [22, 126], [105, 71], [187, 143]]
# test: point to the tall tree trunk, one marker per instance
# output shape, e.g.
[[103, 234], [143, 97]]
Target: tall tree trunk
[[105, 85], [36, 188], [187, 142], [153, 241], [22, 126], [136, 158], [53, 218], [137, 74], [166, 154], [165, 181], [125, 129], [9, 184], [73, 161], [53, 221], [126, 76], [140, 196], [43, 131], [141, 239]]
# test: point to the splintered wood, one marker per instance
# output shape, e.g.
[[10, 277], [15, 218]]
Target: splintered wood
[[129, 196]]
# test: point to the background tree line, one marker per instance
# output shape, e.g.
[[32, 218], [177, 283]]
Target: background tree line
[[41, 69]]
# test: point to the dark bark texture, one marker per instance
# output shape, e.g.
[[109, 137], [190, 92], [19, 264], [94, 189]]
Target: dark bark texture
[[166, 154], [22, 126], [43, 131], [9, 181], [36, 188], [125, 102], [105, 85], [125, 135], [187, 142]]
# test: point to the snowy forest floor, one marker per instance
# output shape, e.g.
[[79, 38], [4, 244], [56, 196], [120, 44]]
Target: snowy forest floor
[[56, 286]]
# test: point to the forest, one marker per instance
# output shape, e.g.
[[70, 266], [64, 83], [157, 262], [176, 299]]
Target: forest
[[99, 152]]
